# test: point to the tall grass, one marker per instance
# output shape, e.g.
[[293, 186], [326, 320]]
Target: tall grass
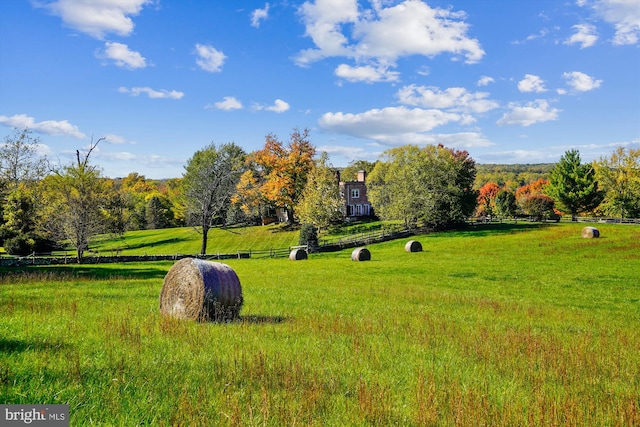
[[528, 326]]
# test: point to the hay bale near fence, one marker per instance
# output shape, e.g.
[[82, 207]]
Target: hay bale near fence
[[590, 233], [361, 254], [413, 246], [201, 290], [298, 254]]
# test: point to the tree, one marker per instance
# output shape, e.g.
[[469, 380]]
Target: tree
[[282, 171], [619, 177], [539, 206], [487, 199], [209, 181], [19, 159], [18, 230], [21, 168], [533, 188], [351, 171], [432, 185], [249, 195], [76, 194], [395, 184], [506, 204], [321, 201], [574, 186], [158, 212]]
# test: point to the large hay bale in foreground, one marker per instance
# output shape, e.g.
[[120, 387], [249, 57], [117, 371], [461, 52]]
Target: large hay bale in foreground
[[413, 246], [590, 232], [201, 290], [298, 254], [361, 254]]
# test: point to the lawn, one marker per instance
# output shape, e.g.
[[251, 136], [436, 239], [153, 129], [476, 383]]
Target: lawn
[[187, 240], [526, 325]]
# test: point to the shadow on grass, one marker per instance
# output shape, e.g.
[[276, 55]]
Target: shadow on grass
[[257, 319], [83, 272], [145, 244], [481, 230], [10, 346], [249, 320]]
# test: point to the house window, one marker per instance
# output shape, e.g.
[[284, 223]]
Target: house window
[[355, 193], [358, 210]]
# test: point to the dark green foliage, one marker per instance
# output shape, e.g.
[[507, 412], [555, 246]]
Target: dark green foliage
[[20, 245], [308, 235], [539, 207], [574, 186], [506, 204], [159, 213]]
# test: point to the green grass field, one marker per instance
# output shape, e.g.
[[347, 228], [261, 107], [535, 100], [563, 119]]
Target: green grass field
[[512, 325], [187, 240]]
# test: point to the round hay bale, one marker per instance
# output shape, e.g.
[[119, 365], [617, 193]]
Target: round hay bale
[[590, 232], [298, 254], [413, 246], [201, 290], [361, 254]]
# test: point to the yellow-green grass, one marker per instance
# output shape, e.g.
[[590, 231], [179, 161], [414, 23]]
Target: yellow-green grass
[[501, 326], [188, 240]]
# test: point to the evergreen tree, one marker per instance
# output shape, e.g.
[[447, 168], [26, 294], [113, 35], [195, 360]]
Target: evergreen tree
[[574, 185]]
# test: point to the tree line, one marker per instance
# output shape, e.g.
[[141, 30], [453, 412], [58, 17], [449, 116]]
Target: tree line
[[45, 206]]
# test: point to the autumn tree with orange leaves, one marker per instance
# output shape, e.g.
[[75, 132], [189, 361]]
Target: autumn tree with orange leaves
[[487, 199], [278, 174]]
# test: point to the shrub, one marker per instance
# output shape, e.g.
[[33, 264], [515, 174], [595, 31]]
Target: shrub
[[308, 235], [19, 245], [539, 206]]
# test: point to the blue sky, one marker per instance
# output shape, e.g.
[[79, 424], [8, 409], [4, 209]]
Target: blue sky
[[509, 81]]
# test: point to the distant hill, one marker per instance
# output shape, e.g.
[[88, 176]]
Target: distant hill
[[516, 175]]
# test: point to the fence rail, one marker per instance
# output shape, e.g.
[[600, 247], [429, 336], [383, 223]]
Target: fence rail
[[324, 245]]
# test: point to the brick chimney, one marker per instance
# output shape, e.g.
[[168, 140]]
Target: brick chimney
[[362, 175]]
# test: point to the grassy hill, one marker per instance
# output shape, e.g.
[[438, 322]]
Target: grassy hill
[[187, 240]]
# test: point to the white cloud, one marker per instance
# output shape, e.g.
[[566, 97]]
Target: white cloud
[[384, 124], [228, 103], [531, 83], [323, 21], [624, 15], [123, 56], [97, 18], [117, 139], [279, 106], [367, 74], [485, 81], [350, 153], [209, 58], [581, 82], [259, 15], [455, 99], [152, 93], [586, 35], [537, 111], [49, 127], [383, 34], [519, 156]]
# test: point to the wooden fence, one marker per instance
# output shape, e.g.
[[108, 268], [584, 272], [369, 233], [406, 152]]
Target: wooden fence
[[324, 245]]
